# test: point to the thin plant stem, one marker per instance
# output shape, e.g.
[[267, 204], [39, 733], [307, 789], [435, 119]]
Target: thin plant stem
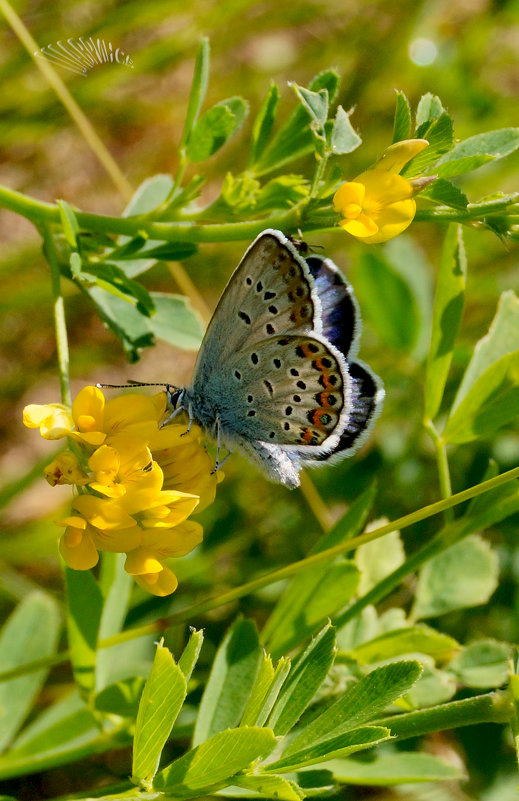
[[442, 465], [284, 572], [318, 507], [60, 325], [60, 88]]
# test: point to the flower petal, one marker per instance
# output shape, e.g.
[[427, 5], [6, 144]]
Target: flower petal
[[118, 541], [395, 157], [175, 541], [393, 220], [350, 192], [384, 187], [363, 227], [103, 513], [77, 549], [161, 584], [141, 561], [87, 410]]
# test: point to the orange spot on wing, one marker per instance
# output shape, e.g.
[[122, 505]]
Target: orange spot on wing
[[307, 435]]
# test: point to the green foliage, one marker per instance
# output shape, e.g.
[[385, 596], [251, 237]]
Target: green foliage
[[372, 674]]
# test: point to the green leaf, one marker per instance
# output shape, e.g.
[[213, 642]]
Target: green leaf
[[84, 610], [258, 693], [294, 138], [377, 559], [448, 169], [315, 103], [483, 664], [447, 314], [76, 265], [161, 701], [270, 786], [198, 89], [345, 138], [116, 585], [215, 127], [360, 703], [439, 134], [341, 745], [30, 633], [123, 319], [395, 768], [230, 683], [411, 639], [447, 194], [402, 121], [169, 251], [121, 698], [263, 124], [190, 654], [113, 279], [387, 301], [328, 590], [432, 688], [462, 576], [64, 732], [215, 761], [151, 193], [492, 402], [408, 260], [502, 338], [497, 144], [282, 192], [69, 223], [175, 321], [307, 674], [259, 707], [429, 108]]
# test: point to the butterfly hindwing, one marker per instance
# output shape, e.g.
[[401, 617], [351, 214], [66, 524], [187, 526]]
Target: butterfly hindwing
[[340, 314], [366, 397], [291, 390]]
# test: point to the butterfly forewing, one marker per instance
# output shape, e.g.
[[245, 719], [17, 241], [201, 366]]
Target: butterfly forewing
[[271, 292], [290, 390]]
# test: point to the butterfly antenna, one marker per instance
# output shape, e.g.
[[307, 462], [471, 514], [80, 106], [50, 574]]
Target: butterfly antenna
[[132, 383]]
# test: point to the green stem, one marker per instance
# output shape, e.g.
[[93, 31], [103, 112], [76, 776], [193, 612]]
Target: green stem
[[60, 324], [41, 213], [443, 466], [493, 707]]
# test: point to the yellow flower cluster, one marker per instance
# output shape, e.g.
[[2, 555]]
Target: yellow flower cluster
[[379, 204], [137, 483]]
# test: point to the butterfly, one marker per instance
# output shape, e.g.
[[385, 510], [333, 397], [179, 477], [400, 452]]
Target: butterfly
[[277, 375]]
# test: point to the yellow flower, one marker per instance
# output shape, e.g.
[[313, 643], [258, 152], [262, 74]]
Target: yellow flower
[[185, 462], [146, 562], [138, 483], [53, 419], [378, 204], [65, 469]]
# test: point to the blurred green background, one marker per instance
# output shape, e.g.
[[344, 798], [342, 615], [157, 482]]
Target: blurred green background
[[465, 52]]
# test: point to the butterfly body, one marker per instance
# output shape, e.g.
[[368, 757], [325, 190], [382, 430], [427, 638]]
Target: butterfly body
[[276, 376]]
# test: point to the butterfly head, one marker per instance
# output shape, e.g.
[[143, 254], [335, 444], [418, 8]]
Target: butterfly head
[[175, 396]]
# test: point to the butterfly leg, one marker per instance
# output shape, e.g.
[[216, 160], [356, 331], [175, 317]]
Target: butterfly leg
[[191, 418], [218, 463], [171, 416]]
